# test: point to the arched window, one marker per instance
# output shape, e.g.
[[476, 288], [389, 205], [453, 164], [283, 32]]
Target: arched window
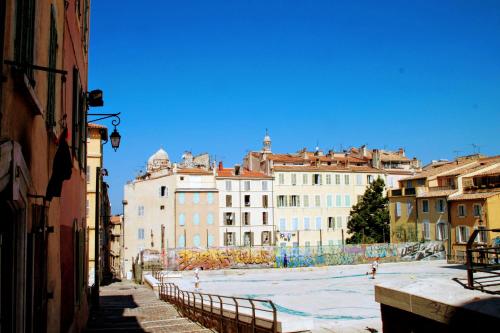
[[196, 240]]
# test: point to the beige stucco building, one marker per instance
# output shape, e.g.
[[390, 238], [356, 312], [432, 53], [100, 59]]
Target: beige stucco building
[[246, 209]]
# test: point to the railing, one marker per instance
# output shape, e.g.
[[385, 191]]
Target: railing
[[483, 259], [410, 191], [221, 313], [442, 188]]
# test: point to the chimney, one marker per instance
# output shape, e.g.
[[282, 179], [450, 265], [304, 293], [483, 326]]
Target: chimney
[[221, 166], [376, 159], [237, 169], [362, 150], [401, 152]]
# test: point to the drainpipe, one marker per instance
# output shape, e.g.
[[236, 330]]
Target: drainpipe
[[95, 291], [416, 219], [241, 219], [448, 255]]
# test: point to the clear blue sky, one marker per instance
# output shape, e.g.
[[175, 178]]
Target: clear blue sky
[[211, 76]]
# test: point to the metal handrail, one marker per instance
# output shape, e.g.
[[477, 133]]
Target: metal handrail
[[232, 310], [483, 252]]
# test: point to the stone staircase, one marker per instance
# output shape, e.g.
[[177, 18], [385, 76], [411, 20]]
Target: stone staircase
[[127, 307]]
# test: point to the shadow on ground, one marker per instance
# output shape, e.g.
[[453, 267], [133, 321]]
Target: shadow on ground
[[110, 315]]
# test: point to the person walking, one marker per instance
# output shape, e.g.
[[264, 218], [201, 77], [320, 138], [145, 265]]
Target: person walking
[[196, 279], [374, 267], [285, 261]]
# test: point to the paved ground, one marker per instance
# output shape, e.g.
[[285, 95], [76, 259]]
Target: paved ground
[[334, 298], [127, 307]]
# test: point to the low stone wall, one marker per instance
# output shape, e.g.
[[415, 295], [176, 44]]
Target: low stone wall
[[268, 257]]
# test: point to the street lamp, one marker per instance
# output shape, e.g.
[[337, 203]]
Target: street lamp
[[94, 99], [115, 138]]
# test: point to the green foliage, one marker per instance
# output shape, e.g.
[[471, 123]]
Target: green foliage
[[369, 222]]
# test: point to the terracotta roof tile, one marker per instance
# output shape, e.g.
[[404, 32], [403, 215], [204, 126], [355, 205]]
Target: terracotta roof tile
[[326, 168], [229, 173], [474, 195], [434, 194], [194, 171]]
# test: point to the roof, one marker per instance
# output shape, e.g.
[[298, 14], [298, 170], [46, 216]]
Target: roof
[[392, 156], [492, 172], [93, 125], [194, 171], [474, 195], [287, 158], [244, 173], [115, 219], [439, 170], [326, 168], [103, 130], [475, 166], [435, 194]]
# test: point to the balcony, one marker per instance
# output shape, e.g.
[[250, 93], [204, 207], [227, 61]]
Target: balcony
[[396, 193], [410, 191]]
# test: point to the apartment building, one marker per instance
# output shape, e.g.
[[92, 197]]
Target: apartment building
[[245, 207], [421, 208]]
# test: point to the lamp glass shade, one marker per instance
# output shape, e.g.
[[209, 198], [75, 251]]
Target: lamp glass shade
[[115, 138]]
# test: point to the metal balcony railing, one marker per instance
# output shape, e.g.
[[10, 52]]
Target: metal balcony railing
[[485, 260], [221, 313]]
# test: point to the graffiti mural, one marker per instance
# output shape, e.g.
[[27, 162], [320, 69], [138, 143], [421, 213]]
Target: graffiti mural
[[266, 257], [189, 259]]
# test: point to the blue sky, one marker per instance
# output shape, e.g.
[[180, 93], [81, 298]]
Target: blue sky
[[211, 76]]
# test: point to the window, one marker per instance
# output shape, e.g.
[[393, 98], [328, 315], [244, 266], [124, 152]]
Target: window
[[196, 198], [88, 175], [210, 240], [266, 238], [347, 200], [331, 222], [228, 218], [264, 218], [140, 233], [461, 211], [210, 218], [306, 201], [294, 179], [282, 201], [182, 241], [294, 201], [316, 179], [162, 207], [441, 231], [264, 185], [318, 223], [25, 34], [425, 206], [338, 200], [182, 219], [308, 244], [440, 205], [246, 218], [265, 201], [295, 224], [346, 179], [317, 200], [247, 185], [87, 207], [427, 230], [196, 240], [359, 180], [421, 182], [337, 179], [329, 201], [228, 185], [328, 179], [210, 198], [409, 184], [398, 209], [304, 178], [196, 219], [477, 210], [369, 179], [181, 178], [281, 178], [247, 200], [409, 207], [140, 210], [282, 224], [163, 191], [229, 200], [481, 236], [248, 238], [339, 222], [182, 198], [462, 234], [306, 223]]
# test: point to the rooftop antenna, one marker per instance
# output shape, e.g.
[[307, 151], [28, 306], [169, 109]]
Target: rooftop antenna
[[476, 149]]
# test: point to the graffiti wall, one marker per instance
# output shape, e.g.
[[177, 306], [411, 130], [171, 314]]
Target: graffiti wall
[[266, 257]]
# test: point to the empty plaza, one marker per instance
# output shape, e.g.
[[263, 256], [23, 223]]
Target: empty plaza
[[323, 299]]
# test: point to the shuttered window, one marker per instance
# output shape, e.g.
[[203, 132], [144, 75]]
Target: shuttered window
[[50, 117], [25, 35]]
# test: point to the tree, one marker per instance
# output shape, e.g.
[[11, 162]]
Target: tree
[[369, 220]]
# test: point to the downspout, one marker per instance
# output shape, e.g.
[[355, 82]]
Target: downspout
[[448, 255], [241, 220], [2, 50], [416, 219], [273, 242]]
